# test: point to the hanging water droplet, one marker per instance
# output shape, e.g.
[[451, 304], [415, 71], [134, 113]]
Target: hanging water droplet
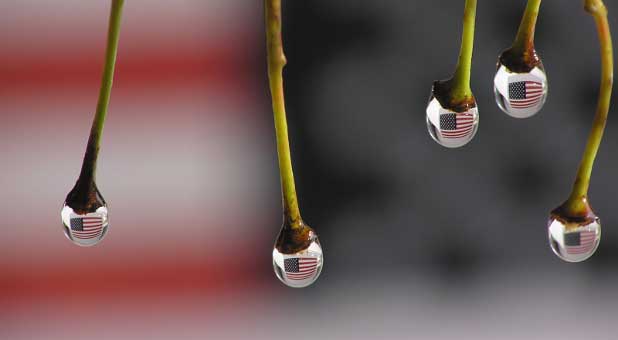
[[520, 95], [85, 229], [574, 241], [298, 268], [449, 128], [84, 215]]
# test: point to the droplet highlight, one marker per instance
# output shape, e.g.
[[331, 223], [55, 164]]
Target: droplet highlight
[[574, 242], [449, 128], [520, 95]]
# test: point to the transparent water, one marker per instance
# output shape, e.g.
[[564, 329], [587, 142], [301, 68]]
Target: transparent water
[[520, 95], [451, 129], [85, 229], [572, 242], [300, 269]]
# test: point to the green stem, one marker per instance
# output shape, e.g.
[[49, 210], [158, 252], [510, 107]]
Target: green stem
[[276, 62], [524, 40], [89, 165], [461, 80], [579, 194]]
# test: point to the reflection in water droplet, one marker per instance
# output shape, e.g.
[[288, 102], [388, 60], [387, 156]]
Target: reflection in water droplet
[[574, 242], [300, 269], [85, 229], [520, 95], [451, 129]]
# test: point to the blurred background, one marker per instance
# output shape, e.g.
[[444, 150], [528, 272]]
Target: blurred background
[[420, 241]]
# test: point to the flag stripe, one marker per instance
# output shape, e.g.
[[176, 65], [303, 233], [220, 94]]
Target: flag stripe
[[464, 127], [87, 233], [303, 273], [586, 242], [301, 277], [529, 98]]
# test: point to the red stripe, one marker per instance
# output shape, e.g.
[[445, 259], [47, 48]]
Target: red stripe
[[91, 228], [303, 271], [526, 104], [582, 245], [307, 266], [448, 132], [301, 277], [301, 274], [459, 128], [86, 238], [465, 133], [527, 99], [533, 102], [456, 136], [458, 133], [86, 232], [578, 252], [523, 101]]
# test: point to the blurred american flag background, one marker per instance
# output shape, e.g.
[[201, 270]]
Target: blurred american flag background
[[183, 164]]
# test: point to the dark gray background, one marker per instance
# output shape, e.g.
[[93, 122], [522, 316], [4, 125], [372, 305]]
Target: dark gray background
[[391, 205], [357, 83]]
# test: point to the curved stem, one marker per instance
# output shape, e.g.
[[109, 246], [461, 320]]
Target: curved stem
[[580, 189], [276, 62], [89, 165], [461, 80], [525, 35]]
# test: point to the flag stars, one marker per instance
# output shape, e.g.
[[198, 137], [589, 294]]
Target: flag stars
[[517, 90], [448, 121]]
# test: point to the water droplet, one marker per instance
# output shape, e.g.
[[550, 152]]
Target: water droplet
[[297, 268], [449, 128], [85, 229], [520, 95], [574, 241], [84, 215]]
